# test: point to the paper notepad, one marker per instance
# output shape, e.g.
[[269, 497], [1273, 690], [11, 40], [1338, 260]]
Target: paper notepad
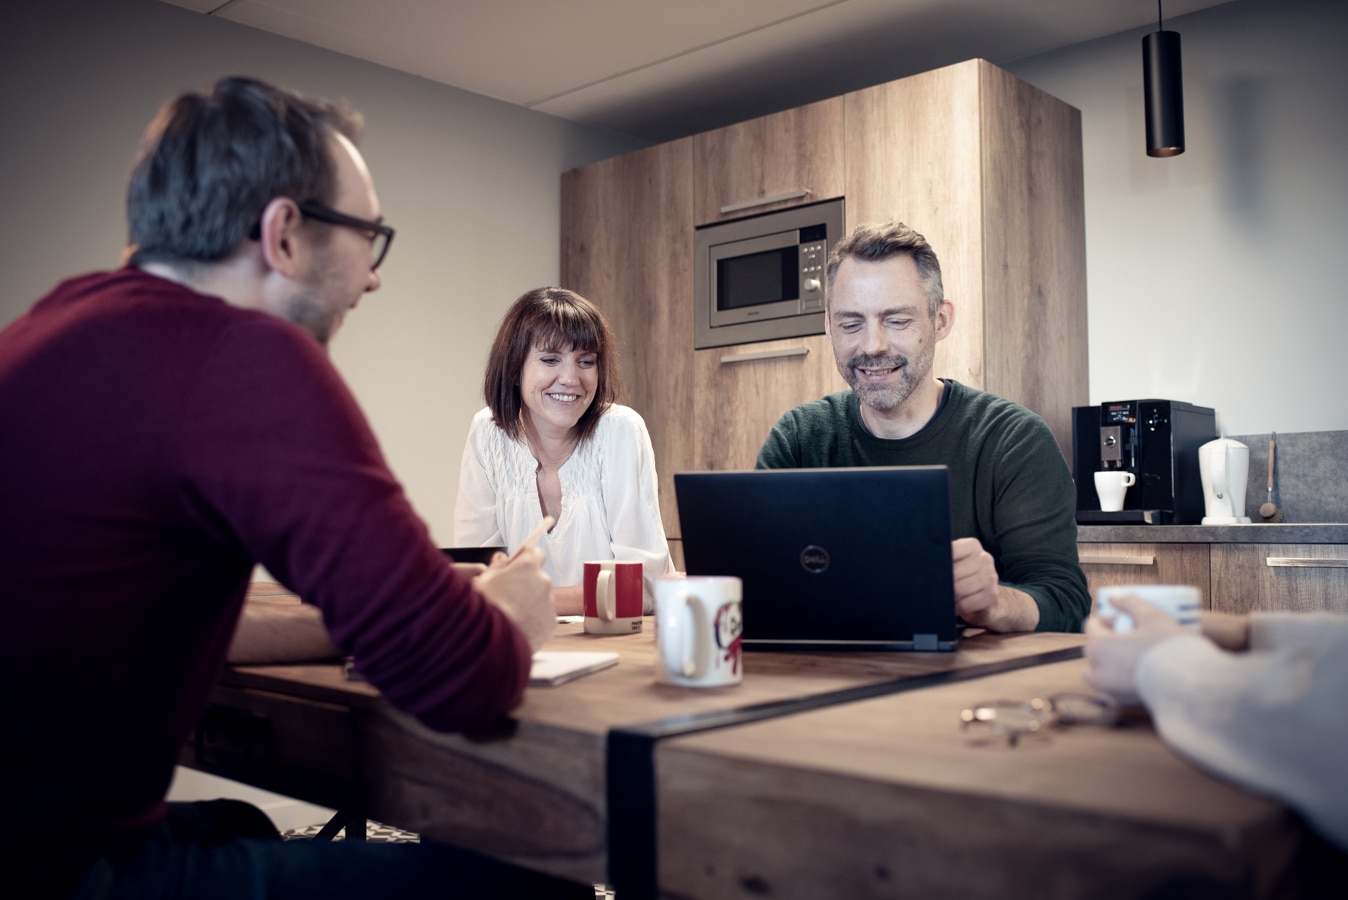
[[554, 667]]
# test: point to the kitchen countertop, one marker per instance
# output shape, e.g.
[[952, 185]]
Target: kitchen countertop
[[1255, 533]]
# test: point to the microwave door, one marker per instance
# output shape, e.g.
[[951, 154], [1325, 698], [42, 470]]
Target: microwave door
[[755, 279]]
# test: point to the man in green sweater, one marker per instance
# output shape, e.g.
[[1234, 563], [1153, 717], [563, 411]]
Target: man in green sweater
[[1014, 554]]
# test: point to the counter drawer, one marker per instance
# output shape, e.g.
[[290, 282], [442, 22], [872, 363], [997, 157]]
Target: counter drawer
[[1111, 564], [1280, 577]]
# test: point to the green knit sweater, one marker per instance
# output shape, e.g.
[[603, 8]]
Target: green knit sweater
[[1009, 484]]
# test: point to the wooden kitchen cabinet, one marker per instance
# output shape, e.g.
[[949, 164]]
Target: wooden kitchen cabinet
[[627, 237], [786, 159], [758, 382], [1238, 569], [988, 167], [1280, 577], [1106, 565]]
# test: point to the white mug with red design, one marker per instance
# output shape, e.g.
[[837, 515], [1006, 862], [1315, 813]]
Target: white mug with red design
[[698, 629]]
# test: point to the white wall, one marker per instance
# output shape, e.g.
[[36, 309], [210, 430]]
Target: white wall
[[471, 184], [1217, 277]]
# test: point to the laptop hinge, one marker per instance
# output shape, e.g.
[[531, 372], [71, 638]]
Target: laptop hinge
[[926, 642]]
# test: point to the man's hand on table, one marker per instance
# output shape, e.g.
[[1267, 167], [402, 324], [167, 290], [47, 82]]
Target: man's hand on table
[[980, 600]]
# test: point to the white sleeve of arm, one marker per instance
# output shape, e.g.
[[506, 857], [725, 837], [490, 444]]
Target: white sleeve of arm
[[1271, 719], [632, 502], [475, 514]]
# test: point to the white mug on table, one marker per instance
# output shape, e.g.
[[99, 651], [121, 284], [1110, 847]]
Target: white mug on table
[[698, 629], [1182, 602]]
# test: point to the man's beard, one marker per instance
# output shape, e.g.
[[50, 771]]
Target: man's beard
[[911, 374], [307, 310], [312, 308]]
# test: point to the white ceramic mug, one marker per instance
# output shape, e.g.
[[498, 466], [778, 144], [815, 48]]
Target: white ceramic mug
[[1182, 602], [1111, 486], [698, 628], [612, 596]]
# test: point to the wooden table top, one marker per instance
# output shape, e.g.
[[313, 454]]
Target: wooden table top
[[628, 694], [856, 796], [535, 788]]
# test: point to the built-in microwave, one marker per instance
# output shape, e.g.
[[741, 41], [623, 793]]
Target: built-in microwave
[[762, 278]]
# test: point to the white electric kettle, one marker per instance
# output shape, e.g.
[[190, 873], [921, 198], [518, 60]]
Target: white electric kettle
[[1224, 465]]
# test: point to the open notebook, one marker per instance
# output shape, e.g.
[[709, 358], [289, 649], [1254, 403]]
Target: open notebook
[[554, 667]]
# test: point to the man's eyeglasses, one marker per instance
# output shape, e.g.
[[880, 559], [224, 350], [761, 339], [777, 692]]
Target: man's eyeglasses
[[381, 235], [1016, 718]]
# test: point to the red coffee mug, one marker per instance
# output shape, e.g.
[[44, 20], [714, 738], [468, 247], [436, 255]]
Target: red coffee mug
[[613, 597]]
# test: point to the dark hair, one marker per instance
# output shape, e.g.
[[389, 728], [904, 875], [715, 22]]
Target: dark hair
[[555, 319], [874, 243], [209, 165]]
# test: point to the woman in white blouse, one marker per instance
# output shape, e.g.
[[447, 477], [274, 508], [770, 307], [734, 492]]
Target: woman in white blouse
[[552, 441]]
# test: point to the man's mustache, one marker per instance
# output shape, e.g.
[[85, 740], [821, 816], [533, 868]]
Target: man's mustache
[[863, 361]]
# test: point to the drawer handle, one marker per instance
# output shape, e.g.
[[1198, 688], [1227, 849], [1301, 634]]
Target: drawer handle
[[1303, 562], [764, 354], [1117, 560], [764, 201]]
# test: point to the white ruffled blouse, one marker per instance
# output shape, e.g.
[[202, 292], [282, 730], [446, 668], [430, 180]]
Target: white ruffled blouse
[[610, 498]]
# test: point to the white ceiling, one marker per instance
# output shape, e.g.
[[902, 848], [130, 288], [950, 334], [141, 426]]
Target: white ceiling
[[660, 69]]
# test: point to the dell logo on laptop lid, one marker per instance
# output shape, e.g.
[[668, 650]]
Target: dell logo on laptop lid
[[814, 559]]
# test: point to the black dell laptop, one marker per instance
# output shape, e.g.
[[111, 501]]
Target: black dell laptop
[[845, 559]]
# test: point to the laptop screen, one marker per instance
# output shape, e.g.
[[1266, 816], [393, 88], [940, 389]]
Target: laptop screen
[[852, 558]]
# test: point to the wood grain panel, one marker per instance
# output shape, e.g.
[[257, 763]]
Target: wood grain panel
[[1034, 250], [799, 149], [913, 154], [1242, 581], [626, 238], [529, 793], [889, 797], [532, 790], [741, 401], [1106, 565], [301, 747]]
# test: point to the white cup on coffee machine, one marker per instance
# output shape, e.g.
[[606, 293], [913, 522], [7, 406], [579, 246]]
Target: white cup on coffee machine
[[1112, 485]]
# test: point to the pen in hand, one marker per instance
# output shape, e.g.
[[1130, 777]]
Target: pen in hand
[[539, 529]]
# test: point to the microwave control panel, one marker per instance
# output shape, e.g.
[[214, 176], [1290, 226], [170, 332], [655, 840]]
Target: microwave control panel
[[813, 259]]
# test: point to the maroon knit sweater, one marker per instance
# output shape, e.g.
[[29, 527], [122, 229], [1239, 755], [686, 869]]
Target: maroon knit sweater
[[155, 444]]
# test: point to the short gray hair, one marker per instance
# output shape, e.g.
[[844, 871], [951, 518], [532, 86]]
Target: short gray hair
[[877, 242]]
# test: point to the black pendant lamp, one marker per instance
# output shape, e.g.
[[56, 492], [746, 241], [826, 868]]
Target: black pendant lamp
[[1163, 89]]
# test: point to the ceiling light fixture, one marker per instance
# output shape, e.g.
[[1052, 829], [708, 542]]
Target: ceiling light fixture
[[1163, 90]]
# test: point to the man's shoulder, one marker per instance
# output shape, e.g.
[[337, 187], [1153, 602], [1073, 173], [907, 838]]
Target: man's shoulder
[[981, 407], [830, 408], [989, 424], [982, 400]]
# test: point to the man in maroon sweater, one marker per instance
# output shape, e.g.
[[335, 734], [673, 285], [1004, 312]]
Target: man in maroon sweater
[[164, 428]]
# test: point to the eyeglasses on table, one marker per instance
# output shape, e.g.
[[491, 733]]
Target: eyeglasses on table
[[1016, 718]]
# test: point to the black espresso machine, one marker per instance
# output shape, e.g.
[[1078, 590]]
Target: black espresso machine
[[1156, 440]]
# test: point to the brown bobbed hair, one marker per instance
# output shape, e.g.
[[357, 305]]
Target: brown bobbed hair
[[556, 319]]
